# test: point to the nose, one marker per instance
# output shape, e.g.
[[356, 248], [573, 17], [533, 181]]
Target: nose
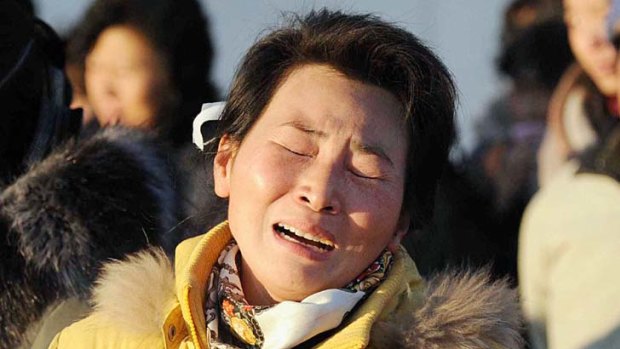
[[319, 188]]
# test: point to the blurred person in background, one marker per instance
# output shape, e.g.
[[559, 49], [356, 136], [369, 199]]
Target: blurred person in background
[[583, 108], [66, 205], [535, 54], [481, 198], [32, 84], [144, 63], [568, 247]]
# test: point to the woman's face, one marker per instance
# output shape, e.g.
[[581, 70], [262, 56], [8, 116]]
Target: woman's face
[[588, 37], [124, 78], [316, 187]]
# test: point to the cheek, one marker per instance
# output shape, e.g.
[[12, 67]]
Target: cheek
[[139, 94], [578, 44], [135, 89], [260, 175], [382, 198], [153, 84], [579, 38], [377, 213], [95, 86]]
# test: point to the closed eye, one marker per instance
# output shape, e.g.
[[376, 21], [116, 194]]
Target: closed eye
[[294, 151], [363, 176]]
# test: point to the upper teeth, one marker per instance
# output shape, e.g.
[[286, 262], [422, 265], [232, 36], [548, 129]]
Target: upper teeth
[[306, 235]]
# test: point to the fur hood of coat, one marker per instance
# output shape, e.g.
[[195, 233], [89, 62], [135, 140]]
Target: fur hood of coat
[[87, 202], [462, 310]]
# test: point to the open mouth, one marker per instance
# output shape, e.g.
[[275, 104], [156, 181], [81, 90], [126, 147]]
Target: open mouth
[[291, 234]]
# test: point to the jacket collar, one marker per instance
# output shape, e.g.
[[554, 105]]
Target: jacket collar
[[195, 258], [194, 261], [402, 290], [460, 309]]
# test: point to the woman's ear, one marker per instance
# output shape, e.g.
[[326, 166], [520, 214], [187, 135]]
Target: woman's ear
[[222, 165], [401, 230]]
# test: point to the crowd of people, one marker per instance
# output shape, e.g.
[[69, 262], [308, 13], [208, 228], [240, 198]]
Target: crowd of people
[[135, 212]]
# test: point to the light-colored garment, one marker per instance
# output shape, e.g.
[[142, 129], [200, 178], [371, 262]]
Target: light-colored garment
[[569, 130], [569, 262], [568, 133]]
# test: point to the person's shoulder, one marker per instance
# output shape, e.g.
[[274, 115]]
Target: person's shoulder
[[580, 191], [131, 302], [546, 195], [570, 204], [80, 334], [458, 309], [95, 332]]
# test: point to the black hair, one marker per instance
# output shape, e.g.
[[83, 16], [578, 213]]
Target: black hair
[[540, 53], [177, 30], [364, 48]]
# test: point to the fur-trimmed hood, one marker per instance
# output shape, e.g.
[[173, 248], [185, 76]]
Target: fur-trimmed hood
[[87, 202], [460, 310]]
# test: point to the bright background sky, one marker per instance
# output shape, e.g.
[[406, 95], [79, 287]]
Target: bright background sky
[[464, 33]]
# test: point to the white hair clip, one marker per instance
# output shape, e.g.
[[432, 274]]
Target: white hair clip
[[209, 112]]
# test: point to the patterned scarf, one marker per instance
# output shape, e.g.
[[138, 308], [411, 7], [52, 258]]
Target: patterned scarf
[[233, 323]]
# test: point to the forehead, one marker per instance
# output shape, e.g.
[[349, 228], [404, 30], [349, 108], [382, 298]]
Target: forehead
[[586, 8], [326, 95], [119, 43]]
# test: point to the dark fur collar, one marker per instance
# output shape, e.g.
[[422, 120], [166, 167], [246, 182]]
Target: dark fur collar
[[87, 202]]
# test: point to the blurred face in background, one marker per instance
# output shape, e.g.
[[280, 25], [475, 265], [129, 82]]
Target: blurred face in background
[[586, 21], [125, 78]]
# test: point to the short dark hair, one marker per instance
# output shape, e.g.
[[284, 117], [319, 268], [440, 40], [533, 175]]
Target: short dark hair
[[177, 30], [364, 48]]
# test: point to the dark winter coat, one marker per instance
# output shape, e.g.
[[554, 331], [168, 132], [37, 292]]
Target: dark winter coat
[[86, 203]]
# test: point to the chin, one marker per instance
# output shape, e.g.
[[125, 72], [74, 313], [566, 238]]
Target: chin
[[607, 87], [309, 285]]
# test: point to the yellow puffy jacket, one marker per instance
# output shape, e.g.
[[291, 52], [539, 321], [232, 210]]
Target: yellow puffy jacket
[[139, 303]]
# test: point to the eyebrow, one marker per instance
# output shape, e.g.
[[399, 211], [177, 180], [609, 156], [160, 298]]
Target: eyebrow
[[304, 128], [373, 150]]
